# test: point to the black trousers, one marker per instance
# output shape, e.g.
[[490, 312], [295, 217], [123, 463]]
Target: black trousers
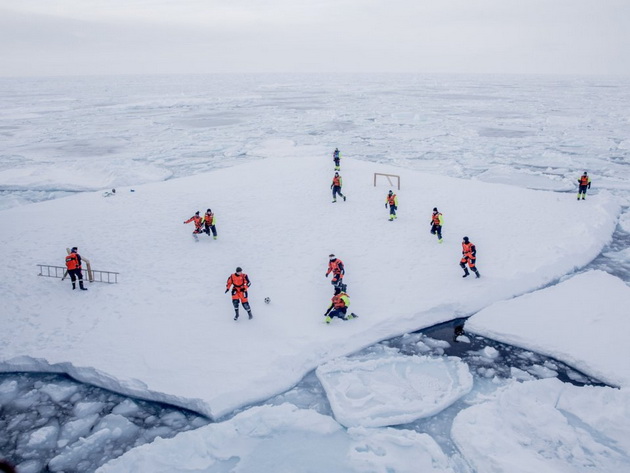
[[212, 228], [75, 274], [437, 229]]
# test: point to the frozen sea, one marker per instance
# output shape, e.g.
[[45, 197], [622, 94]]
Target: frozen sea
[[62, 136]]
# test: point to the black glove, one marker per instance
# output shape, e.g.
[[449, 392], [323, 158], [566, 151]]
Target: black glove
[[385, 205], [589, 185], [327, 274], [226, 291]]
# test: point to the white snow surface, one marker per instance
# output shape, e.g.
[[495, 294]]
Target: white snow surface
[[581, 321], [547, 426], [165, 332], [286, 439], [392, 390]]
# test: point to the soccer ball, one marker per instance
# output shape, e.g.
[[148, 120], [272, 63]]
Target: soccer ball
[[267, 300]]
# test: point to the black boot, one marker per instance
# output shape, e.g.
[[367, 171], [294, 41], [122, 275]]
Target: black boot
[[477, 274], [249, 312], [81, 286], [74, 286], [236, 315], [466, 273]]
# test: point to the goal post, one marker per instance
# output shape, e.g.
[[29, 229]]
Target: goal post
[[389, 178]]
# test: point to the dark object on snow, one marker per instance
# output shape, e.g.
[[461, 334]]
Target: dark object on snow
[[6, 467]]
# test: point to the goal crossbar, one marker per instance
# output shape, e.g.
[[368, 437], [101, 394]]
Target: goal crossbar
[[389, 178]]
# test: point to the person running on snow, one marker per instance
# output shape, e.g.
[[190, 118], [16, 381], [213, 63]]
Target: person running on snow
[[73, 264], [209, 221], [336, 267], [336, 187], [198, 224], [239, 283], [339, 307], [469, 255], [336, 159], [436, 224], [585, 183], [392, 201]]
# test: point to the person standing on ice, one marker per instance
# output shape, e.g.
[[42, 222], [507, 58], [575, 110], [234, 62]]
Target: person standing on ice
[[209, 221], [198, 224], [336, 187], [73, 264], [469, 255], [339, 307], [239, 283], [585, 183], [392, 201], [337, 159], [336, 267], [436, 224]]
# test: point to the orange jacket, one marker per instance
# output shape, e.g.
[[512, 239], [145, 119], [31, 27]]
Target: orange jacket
[[208, 218], [336, 267], [584, 180], [468, 249], [240, 282], [195, 218], [436, 218], [73, 261], [336, 181], [391, 200]]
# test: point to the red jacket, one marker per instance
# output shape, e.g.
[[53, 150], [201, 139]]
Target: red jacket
[[73, 261], [195, 218], [240, 282]]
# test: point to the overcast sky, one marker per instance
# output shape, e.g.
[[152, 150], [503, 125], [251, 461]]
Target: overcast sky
[[60, 37]]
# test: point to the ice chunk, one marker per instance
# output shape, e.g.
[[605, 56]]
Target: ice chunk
[[126, 408], [9, 390], [112, 431], [59, 392], [582, 321], [394, 389], [84, 409], [74, 429], [286, 439], [546, 425]]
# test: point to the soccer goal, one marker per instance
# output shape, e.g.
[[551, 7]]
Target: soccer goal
[[389, 178]]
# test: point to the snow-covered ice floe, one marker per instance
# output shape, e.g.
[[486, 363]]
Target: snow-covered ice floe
[[286, 439], [392, 390], [547, 426], [166, 331], [582, 321]]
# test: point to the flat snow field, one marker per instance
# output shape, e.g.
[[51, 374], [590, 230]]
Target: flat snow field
[[165, 332]]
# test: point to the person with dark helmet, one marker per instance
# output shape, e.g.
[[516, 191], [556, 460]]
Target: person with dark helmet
[[469, 255], [336, 159], [239, 283], [338, 270], [73, 265], [392, 201], [337, 182], [198, 224], [585, 183], [209, 221], [436, 224], [339, 307]]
